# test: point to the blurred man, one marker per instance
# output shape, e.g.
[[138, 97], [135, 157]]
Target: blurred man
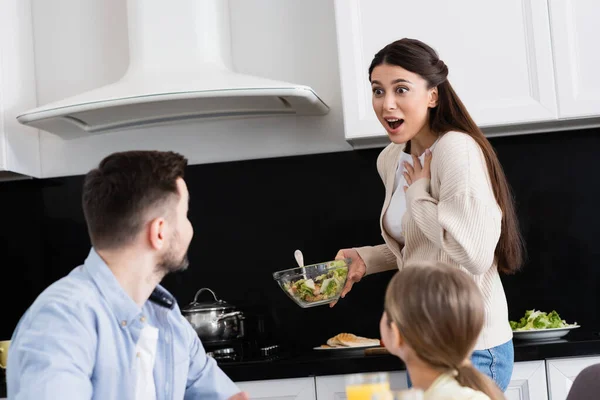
[[108, 330]]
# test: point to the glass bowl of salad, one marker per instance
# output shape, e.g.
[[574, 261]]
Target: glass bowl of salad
[[316, 284]]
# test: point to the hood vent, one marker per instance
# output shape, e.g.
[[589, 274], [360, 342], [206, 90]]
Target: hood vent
[[180, 69]]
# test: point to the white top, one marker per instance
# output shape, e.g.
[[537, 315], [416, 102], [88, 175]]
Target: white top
[[446, 387], [145, 356], [392, 220]]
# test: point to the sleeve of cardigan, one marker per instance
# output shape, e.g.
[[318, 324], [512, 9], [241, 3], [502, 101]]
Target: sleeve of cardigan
[[377, 258], [466, 221]]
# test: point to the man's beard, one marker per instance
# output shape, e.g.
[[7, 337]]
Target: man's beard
[[171, 261]]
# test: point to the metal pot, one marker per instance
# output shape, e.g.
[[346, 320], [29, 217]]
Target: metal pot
[[214, 321]]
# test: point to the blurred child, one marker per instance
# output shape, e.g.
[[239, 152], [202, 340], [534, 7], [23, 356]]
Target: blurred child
[[433, 316]]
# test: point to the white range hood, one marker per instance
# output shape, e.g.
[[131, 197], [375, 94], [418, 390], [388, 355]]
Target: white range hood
[[180, 69]]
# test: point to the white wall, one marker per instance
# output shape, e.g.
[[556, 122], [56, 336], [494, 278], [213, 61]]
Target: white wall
[[287, 40]]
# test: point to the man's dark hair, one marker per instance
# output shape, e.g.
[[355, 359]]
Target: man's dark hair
[[118, 195]]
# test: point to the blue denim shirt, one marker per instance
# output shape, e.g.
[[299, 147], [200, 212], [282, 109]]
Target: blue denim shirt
[[78, 341]]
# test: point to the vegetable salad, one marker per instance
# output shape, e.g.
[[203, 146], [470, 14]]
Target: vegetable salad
[[535, 320], [323, 287]]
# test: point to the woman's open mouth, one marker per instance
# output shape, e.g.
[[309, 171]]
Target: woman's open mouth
[[394, 123]]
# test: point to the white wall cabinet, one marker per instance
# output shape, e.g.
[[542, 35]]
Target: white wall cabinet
[[334, 387], [19, 145], [562, 373], [519, 66], [280, 389], [528, 381], [575, 31]]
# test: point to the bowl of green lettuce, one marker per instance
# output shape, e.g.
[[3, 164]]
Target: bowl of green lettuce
[[535, 320], [538, 325], [316, 284]]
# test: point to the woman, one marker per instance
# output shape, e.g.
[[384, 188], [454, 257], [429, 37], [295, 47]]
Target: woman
[[433, 316], [447, 198]]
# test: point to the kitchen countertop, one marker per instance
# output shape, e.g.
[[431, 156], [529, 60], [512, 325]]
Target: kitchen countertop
[[320, 363]]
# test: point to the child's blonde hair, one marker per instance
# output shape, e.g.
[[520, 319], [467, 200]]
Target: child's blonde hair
[[439, 312]]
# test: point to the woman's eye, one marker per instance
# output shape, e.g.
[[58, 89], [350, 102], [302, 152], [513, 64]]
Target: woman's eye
[[377, 91], [401, 90]]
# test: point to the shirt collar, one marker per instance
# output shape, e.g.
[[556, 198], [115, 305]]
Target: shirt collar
[[162, 297], [121, 304]]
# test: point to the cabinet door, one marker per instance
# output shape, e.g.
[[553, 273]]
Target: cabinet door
[[499, 56], [575, 34], [528, 382], [562, 373], [280, 389], [334, 387], [19, 145]]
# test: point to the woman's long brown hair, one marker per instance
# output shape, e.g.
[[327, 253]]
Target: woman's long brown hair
[[439, 312], [452, 115]]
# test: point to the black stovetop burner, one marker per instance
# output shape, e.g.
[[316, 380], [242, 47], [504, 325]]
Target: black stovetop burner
[[243, 351]]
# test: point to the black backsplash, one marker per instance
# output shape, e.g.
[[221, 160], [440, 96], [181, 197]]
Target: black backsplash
[[250, 216]]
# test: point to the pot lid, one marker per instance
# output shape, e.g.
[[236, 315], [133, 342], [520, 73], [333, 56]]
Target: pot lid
[[209, 305]]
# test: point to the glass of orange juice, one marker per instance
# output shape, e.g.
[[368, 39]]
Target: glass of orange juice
[[364, 386]]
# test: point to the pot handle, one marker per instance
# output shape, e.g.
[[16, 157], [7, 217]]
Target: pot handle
[[227, 315], [202, 290]]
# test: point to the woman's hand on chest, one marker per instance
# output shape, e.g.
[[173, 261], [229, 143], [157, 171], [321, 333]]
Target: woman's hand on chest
[[413, 173]]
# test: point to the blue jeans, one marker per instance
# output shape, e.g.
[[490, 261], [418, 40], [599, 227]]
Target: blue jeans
[[497, 363]]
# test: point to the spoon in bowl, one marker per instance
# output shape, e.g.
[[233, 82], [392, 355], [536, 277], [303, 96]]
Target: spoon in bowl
[[300, 260]]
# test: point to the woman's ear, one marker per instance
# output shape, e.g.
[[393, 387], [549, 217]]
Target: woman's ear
[[433, 97]]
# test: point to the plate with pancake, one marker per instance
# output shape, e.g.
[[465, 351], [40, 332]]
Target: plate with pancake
[[348, 341]]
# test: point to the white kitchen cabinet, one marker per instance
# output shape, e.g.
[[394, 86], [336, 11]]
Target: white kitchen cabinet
[[19, 145], [562, 373], [531, 380], [280, 389], [575, 32], [528, 381], [499, 56], [334, 387]]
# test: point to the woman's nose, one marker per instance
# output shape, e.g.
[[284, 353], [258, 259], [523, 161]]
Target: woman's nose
[[389, 102]]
